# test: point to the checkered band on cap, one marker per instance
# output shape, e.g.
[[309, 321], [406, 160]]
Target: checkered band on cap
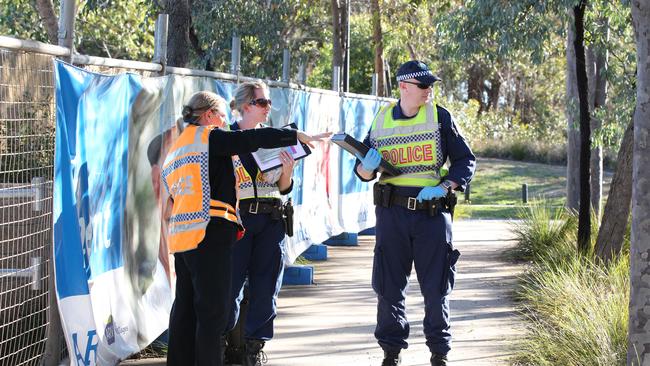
[[414, 75]]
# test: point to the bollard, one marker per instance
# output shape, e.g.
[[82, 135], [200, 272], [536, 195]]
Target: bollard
[[524, 193], [467, 192]]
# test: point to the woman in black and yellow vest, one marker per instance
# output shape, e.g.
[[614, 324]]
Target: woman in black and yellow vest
[[199, 177], [258, 256]]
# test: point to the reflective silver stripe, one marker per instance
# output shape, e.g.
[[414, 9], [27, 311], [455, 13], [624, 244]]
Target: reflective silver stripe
[[246, 190], [199, 153], [179, 228], [429, 130], [379, 125], [431, 124], [196, 147]]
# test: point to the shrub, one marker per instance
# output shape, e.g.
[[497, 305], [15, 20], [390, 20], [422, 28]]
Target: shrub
[[576, 306]]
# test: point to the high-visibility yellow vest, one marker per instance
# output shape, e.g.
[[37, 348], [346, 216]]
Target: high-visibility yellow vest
[[412, 145], [185, 176], [266, 183]]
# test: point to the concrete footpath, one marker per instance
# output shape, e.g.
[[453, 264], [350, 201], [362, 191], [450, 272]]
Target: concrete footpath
[[332, 322]]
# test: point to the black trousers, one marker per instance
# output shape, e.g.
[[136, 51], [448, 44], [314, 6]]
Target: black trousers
[[200, 312]]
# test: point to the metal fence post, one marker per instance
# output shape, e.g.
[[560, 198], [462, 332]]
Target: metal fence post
[[286, 65], [373, 87], [302, 73], [235, 57], [66, 27], [336, 78], [160, 43], [38, 188]]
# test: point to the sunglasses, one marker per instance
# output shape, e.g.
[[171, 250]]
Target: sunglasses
[[262, 102], [419, 85]]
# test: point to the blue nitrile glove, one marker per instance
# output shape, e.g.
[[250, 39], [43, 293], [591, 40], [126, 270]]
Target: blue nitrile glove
[[428, 193], [371, 161]]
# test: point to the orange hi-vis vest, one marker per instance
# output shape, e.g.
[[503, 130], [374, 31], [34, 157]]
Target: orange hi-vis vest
[[185, 176]]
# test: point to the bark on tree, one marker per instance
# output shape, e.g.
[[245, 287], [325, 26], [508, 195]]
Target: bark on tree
[[45, 10], [475, 80], [584, 213], [379, 46], [573, 134], [597, 68], [178, 39], [617, 208], [639, 321], [493, 92]]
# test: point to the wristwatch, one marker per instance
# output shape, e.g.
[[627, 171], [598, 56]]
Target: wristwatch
[[446, 184]]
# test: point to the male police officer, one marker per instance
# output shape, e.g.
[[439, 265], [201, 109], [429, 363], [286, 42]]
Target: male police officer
[[413, 210]]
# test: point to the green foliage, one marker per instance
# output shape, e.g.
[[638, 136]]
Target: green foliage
[[362, 58], [577, 312], [265, 28], [544, 233], [118, 29], [18, 18], [576, 306]]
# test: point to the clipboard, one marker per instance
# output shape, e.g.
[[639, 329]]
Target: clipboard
[[269, 159], [354, 146]]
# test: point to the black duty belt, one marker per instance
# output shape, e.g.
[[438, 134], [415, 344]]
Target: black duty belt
[[260, 205], [411, 202], [385, 195]]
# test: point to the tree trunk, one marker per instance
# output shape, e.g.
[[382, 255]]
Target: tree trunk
[[573, 134], [597, 69], [475, 80], [639, 321], [45, 10], [617, 208], [379, 46], [584, 213], [337, 51], [494, 92], [178, 40]]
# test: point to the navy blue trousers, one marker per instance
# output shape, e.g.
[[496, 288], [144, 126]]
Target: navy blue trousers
[[199, 314], [260, 256], [405, 238]]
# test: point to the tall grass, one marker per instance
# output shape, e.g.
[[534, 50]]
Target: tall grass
[[576, 306], [545, 232]]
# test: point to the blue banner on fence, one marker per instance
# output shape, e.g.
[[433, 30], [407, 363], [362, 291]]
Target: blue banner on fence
[[114, 274]]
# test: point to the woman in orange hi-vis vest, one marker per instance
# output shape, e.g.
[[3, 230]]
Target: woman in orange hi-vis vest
[[198, 175]]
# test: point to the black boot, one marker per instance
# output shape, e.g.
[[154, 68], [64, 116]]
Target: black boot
[[391, 359], [254, 355], [438, 360], [232, 355]]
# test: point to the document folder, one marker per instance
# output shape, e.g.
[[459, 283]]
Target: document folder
[[354, 146]]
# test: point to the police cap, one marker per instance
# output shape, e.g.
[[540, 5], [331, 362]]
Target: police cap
[[417, 70]]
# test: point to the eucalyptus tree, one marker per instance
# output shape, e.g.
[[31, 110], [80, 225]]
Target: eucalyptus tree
[[621, 94], [639, 321], [265, 28], [117, 28]]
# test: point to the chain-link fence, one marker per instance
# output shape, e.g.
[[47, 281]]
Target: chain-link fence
[[27, 133], [30, 331], [26, 175]]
